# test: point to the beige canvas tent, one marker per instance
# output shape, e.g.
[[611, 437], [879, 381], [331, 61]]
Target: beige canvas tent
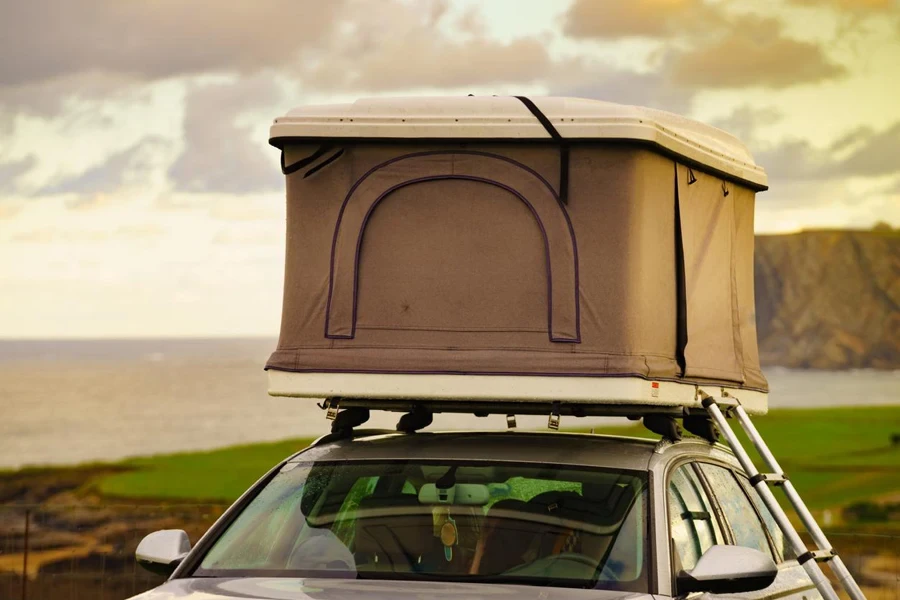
[[503, 249]]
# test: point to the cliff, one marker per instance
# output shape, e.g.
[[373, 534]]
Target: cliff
[[829, 299]]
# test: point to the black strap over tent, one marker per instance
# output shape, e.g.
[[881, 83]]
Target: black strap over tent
[[324, 163], [296, 166], [563, 146], [309, 160]]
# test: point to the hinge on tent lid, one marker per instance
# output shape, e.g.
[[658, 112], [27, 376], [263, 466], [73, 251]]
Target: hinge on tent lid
[[725, 402], [331, 405], [553, 420]]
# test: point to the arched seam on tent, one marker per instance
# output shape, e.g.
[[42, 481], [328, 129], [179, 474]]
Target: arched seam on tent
[[538, 176], [398, 186], [535, 213]]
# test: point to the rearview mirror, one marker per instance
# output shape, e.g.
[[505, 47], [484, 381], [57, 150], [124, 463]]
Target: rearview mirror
[[162, 551], [729, 570]]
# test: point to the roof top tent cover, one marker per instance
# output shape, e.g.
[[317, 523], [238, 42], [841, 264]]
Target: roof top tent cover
[[504, 249]]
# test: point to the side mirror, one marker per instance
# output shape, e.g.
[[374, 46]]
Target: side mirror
[[161, 551], [729, 570]]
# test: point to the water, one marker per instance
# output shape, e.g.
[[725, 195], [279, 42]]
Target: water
[[67, 402]]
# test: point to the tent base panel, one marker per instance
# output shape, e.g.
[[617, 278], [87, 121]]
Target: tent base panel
[[503, 393]]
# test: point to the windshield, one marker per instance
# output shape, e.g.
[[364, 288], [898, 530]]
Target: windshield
[[447, 521]]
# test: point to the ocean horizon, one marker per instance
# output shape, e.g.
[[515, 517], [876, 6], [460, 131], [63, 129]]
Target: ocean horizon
[[73, 401]]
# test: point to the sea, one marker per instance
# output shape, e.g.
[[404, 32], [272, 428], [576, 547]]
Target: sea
[[65, 402]]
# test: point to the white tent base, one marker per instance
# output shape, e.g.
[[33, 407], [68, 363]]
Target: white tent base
[[473, 392]]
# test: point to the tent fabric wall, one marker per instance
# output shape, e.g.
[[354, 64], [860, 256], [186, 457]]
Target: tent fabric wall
[[434, 257]]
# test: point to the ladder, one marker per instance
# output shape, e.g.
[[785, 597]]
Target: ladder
[[760, 481]]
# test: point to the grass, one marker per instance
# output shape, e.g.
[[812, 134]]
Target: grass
[[216, 475], [838, 456], [834, 456]]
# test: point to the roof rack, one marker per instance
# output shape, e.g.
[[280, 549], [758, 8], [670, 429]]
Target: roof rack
[[485, 408], [347, 413]]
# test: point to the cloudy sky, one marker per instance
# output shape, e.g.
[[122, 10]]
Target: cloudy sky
[[138, 196]]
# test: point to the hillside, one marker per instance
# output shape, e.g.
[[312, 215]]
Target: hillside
[[829, 299]]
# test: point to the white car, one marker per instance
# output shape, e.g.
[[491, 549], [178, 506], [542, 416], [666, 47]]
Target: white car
[[488, 515]]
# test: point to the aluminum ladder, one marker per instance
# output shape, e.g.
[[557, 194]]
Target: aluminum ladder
[[760, 481]]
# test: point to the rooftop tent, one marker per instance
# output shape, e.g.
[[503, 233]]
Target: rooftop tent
[[504, 249]]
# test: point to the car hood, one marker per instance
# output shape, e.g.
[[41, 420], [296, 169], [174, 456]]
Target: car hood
[[341, 589]]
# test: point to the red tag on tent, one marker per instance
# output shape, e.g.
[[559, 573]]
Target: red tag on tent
[[654, 389]]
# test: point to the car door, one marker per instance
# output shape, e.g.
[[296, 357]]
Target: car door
[[748, 523]]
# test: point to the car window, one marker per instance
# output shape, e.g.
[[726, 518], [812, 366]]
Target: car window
[[692, 523], [345, 523], [525, 488], [782, 546], [442, 521], [743, 521]]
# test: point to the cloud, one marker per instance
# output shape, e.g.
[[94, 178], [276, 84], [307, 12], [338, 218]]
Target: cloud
[[10, 171], [745, 121], [157, 39], [335, 45], [706, 45], [221, 155], [638, 18], [133, 164], [243, 237], [400, 45], [892, 188], [445, 63], [860, 153], [753, 53], [46, 98], [9, 210], [626, 87], [53, 234], [852, 6], [874, 154], [793, 160], [796, 205]]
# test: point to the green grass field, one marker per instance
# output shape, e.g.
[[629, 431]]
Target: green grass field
[[216, 475], [833, 456]]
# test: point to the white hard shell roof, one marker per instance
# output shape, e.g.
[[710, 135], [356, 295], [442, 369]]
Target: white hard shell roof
[[507, 118]]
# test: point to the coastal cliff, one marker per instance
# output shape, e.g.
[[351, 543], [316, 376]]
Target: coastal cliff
[[829, 299]]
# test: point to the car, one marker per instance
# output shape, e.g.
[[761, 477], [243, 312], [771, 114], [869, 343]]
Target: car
[[501, 514]]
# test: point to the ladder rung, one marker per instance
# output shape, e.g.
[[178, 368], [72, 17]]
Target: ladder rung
[[817, 555], [776, 478]]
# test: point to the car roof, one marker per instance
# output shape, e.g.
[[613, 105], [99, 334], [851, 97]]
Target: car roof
[[577, 449]]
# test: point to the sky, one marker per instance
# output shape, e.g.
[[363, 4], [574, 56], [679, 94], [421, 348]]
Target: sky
[[139, 196]]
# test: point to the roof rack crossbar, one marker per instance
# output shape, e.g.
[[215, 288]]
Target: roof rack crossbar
[[576, 409]]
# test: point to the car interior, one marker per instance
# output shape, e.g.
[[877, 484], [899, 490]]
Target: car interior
[[479, 521]]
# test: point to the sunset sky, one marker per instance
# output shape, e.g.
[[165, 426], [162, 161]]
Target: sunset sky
[[139, 197]]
